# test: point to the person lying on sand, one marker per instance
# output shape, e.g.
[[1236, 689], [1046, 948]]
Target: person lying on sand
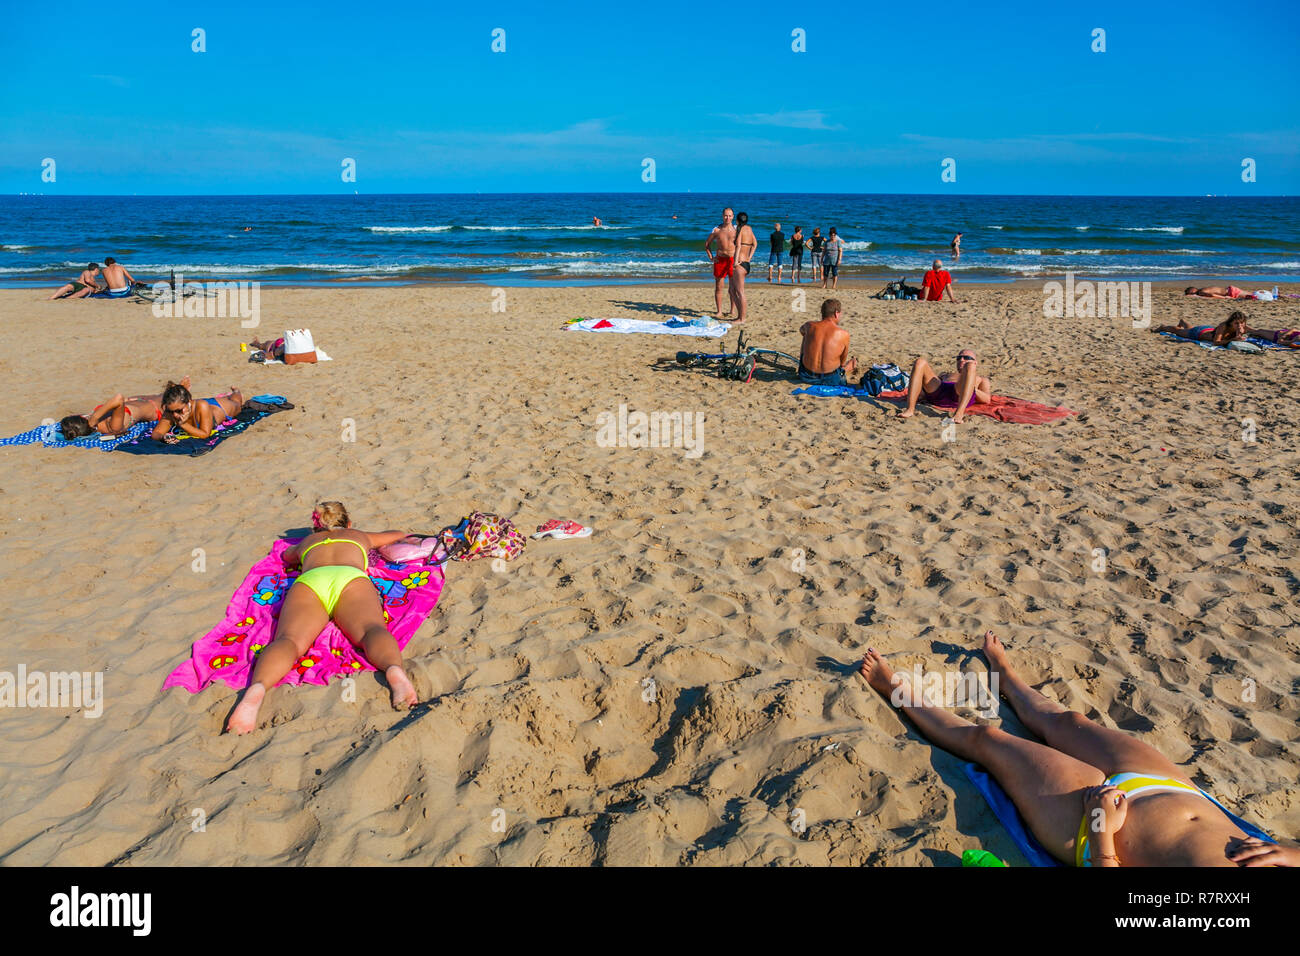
[[824, 357], [274, 349], [1090, 795], [964, 388], [1231, 329], [82, 286], [197, 419], [115, 416], [1276, 336], [333, 586], [1219, 292]]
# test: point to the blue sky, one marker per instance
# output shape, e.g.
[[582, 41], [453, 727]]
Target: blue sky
[[586, 91]]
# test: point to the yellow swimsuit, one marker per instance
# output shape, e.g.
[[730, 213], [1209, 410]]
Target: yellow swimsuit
[[328, 581], [1132, 784]]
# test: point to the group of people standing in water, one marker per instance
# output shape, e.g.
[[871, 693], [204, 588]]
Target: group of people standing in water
[[737, 245]]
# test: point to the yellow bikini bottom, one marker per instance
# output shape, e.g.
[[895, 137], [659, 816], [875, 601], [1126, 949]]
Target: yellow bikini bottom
[[329, 581], [1132, 784]]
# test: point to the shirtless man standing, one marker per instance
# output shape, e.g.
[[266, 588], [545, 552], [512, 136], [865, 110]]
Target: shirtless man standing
[[723, 263], [746, 246], [948, 391], [824, 358], [119, 280]]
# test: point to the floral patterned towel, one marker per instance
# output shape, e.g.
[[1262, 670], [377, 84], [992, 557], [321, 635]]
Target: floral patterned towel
[[409, 592]]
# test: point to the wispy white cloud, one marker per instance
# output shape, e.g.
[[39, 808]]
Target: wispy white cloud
[[790, 119]]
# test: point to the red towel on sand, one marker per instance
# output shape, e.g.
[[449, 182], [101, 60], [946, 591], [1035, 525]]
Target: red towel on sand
[[603, 324], [1004, 409]]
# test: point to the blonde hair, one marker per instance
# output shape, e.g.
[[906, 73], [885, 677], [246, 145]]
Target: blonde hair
[[332, 515]]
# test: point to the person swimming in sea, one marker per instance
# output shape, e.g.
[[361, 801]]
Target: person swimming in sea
[[332, 586], [1232, 329], [1090, 795], [196, 419], [115, 416]]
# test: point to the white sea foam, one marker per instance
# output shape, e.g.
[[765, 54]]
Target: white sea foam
[[1174, 229], [858, 245], [526, 228], [14, 248], [407, 228]]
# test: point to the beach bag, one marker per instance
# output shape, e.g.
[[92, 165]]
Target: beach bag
[[414, 548], [886, 377], [481, 535], [299, 347]]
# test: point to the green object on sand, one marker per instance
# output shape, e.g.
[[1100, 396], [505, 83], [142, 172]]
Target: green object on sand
[[980, 858]]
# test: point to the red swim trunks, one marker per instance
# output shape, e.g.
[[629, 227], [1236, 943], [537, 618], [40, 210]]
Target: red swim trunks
[[721, 266]]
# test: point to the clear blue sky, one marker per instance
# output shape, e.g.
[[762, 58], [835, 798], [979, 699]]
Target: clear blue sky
[[585, 91]]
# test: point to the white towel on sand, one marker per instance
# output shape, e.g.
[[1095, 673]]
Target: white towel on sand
[[320, 357], [715, 330]]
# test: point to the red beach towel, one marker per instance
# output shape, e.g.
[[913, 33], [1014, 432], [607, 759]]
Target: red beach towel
[[1004, 409]]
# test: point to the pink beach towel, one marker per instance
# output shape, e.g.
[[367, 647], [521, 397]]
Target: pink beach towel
[[226, 652], [1004, 409]]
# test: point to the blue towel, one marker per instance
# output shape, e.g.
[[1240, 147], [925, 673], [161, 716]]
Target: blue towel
[[1011, 821], [51, 437], [831, 391], [1009, 817], [1262, 343]]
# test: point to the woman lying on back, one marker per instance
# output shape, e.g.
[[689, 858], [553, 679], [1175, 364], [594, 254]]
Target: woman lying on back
[[1091, 796]]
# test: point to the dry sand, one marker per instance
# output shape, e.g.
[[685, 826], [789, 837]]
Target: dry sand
[[538, 673]]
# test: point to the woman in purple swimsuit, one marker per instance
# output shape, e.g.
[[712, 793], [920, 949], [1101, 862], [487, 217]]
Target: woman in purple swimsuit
[[958, 391]]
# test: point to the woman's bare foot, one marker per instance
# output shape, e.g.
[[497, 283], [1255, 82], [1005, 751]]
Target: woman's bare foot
[[403, 689], [877, 673], [906, 412], [244, 717], [995, 653]]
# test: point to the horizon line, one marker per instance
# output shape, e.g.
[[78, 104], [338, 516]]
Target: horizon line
[[147, 195]]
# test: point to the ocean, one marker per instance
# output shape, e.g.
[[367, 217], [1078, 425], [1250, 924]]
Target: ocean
[[514, 239]]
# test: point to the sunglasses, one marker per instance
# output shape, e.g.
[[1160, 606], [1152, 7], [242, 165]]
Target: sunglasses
[[965, 358]]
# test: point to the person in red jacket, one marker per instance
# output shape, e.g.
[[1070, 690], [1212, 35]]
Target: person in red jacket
[[935, 282]]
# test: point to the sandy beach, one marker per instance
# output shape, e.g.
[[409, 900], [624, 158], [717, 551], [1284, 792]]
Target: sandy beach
[[674, 688]]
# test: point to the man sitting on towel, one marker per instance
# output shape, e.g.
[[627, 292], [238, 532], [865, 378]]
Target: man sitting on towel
[[119, 280], [958, 391], [824, 358]]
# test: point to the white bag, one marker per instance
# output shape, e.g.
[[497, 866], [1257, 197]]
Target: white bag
[[298, 347]]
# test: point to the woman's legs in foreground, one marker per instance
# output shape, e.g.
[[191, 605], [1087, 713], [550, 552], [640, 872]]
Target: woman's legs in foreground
[[1111, 751], [302, 618], [360, 616], [1045, 785]]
